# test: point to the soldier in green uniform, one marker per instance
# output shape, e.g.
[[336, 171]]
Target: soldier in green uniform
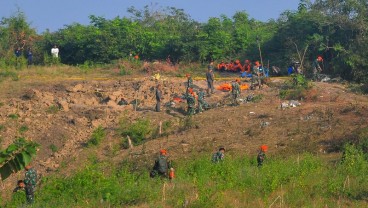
[[235, 91], [261, 155], [202, 104], [190, 101], [30, 181], [162, 165], [256, 75], [189, 81], [219, 155]]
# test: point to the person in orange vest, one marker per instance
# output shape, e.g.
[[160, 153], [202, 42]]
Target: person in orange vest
[[261, 155], [247, 66], [237, 66], [136, 57], [221, 66]]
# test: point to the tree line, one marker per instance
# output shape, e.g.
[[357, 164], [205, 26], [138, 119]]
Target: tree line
[[334, 29]]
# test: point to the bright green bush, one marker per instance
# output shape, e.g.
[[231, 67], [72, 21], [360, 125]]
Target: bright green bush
[[138, 130]]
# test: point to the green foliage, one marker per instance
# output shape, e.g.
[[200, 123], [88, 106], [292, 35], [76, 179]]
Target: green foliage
[[2, 127], [97, 136], [53, 148], [13, 116], [295, 87], [23, 129], [52, 109], [138, 130], [8, 73], [298, 179], [16, 156]]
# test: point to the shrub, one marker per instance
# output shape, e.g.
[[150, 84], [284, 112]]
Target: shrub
[[138, 131], [53, 148], [23, 129], [97, 136], [52, 109], [13, 116]]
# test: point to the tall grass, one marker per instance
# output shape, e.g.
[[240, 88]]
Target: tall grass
[[296, 181]]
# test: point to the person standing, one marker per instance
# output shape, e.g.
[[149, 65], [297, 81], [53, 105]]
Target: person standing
[[235, 91], [55, 52], [29, 58], [158, 98], [30, 181], [256, 76], [317, 67], [261, 155], [210, 77], [189, 81], [17, 53]]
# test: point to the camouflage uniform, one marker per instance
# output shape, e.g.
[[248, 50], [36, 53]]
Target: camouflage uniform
[[201, 102], [191, 104], [190, 82], [218, 157], [256, 77], [260, 158], [235, 91], [316, 69], [162, 166], [30, 181]]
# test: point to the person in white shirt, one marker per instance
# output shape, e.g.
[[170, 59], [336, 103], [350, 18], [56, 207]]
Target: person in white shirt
[[55, 52]]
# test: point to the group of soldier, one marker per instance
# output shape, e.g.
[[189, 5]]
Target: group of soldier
[[163, 166]]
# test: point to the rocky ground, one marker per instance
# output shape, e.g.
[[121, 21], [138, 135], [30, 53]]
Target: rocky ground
[[61, 115]]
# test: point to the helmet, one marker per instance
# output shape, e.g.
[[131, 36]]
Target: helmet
[[264, 148], [163, 152]]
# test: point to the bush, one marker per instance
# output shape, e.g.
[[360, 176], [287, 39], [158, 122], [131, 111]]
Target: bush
[[295, 88], [97, 136], [138, 131]]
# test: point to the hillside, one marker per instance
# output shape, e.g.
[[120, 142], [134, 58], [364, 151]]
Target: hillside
[[61, 113]]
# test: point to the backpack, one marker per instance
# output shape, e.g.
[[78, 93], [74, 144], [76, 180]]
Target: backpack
[[161, 165]]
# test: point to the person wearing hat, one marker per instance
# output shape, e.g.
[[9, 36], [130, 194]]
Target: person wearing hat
[[317, 67], [235, 91], [219, 155], [261, 155], [191, 101], [256, 77], [162, 165]]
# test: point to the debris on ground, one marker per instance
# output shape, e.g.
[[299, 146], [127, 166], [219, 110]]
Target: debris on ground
[[290, 104]]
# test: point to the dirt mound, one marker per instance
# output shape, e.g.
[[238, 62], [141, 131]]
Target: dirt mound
[[61, 117]]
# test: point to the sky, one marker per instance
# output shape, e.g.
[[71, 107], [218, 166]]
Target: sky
[[55, 14]]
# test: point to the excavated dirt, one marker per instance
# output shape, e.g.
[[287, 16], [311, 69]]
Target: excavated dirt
[[61, 116]]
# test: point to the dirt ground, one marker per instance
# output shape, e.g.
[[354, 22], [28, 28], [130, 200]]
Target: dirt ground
[[61, 115]]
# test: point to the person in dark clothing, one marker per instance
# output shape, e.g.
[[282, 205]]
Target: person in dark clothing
[[210, 77], [20, 186], [158, 98], [162, 165], [29, 58]]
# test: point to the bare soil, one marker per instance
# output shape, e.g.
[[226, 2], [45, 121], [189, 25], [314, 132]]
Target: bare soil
[[61, 115]]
